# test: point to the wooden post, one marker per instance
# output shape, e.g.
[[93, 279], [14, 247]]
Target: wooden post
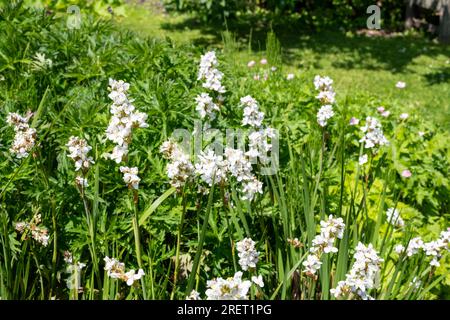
[[444, 22]]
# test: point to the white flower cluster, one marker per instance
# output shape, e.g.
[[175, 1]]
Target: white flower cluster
[[25, 137], [39, 234], [206, 106], [209, 74], [78, 152], [124, 118], [258, 146], [235, 163], [116, 270], [130, 177], [432, 248], [324, 114], [228, 289], [179, 169], [252, 116], [327, 97], [247, 253], [362, 276], [373, 134], [211, 167], [394, 218], [323, 243]]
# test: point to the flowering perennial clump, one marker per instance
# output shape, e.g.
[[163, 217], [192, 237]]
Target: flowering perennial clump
[[323, 243], [233, 288], [362, 276], [124, 118], [39, 234], [116, 270], [25, 137], [247, 253]]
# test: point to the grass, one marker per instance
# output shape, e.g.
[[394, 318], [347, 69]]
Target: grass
[[360, 65]]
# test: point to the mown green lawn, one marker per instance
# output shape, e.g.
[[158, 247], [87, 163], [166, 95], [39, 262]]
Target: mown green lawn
[[361, 66]]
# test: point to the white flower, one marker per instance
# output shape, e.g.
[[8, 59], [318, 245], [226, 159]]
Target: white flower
[[119, 152], [248, 256], [25, 137], [400, 85], [415, 283], [211, 76], [206, 106], [251, 63], [124, 119], [238, 164], [259, 146], [250, 188], [327, 97], [385, 114], [179, 170], [82, 182], [228, 289], [312, 264], [363, 274], [78, 152], [373, 134], [130, 176], [399, 248], [258, 281], [131, 276], [421, 133], [414, 246], [324, 243], [116, 270], [252, 116], [194, 295], [211, 166], [39, 234], [393, 217], [404, 116], [354, 121], [290, 76], [324, 114], [263, 61], [322, 83], [362, 160]]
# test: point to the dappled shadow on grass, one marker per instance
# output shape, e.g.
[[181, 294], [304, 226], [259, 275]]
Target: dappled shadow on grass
[[348, 50], [441, 76]]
